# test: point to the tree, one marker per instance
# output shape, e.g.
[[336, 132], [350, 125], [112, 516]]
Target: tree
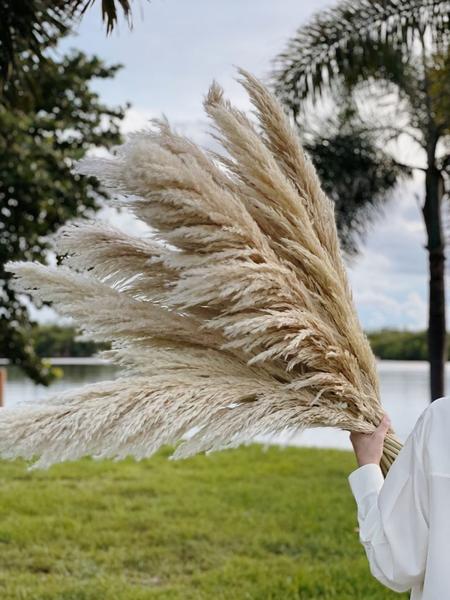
[[44, 127], [392, 344], [55, 340], [371, 53], [32, 24], [355, 172]]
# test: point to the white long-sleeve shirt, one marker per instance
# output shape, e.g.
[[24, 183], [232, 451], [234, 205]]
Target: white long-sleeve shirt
[[404, 520]]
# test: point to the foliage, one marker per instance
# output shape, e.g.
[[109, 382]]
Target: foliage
[[392, 55], [43, 129], [55, 341], [29, 25], [439, 78], [109, 10], [358, 41], [278, 524], [391, 344], [355, 172]]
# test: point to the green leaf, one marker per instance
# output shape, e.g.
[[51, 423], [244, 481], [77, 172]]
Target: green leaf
[[47, 121]]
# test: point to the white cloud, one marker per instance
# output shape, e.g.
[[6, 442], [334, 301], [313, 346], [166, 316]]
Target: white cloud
[[390, 277], [176, 49], [136, 119]]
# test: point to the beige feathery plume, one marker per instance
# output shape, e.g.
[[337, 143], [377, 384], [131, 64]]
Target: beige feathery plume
[[234, 318]]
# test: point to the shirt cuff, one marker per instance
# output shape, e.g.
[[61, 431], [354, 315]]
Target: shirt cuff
[[365, 480]]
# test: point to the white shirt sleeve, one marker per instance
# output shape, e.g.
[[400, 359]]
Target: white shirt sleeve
[[392, 516]]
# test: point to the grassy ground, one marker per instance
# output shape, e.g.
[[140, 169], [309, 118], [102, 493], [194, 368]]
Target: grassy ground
[[243, 524]]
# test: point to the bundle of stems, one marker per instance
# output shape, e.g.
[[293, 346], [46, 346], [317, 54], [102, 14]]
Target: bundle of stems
[[232, 317]]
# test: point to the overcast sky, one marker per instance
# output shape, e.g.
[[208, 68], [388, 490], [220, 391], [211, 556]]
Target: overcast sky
[[174, 51]]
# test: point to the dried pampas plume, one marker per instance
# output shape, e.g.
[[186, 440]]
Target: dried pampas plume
[[234, 318]]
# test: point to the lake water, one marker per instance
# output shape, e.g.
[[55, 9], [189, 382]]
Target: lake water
[[404, 393]]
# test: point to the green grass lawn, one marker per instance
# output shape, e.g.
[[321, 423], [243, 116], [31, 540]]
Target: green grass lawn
[[251, 523]]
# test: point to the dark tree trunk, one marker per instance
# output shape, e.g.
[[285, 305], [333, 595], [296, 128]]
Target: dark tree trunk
[[437, 339]]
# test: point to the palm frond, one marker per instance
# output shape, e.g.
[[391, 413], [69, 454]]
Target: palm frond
[[357, 38], [109, 10], [357, 173]]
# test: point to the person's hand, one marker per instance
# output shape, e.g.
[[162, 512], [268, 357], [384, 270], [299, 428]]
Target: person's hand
[[368, 447]]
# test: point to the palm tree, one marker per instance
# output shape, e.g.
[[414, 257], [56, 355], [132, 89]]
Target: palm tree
[[390, 49], [28, 25]]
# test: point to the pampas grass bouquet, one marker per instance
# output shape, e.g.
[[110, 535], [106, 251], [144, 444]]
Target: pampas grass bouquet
[[232, 318]]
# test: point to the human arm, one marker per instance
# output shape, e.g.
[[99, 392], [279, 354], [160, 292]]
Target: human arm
[[392, 514]]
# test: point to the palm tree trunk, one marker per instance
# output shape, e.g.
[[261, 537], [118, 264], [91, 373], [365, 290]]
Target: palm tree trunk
[[437, 339]]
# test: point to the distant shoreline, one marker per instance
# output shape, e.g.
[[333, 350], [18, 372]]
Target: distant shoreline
[[68, 360]]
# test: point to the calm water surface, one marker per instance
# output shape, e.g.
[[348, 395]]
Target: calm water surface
[[404, 393]]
